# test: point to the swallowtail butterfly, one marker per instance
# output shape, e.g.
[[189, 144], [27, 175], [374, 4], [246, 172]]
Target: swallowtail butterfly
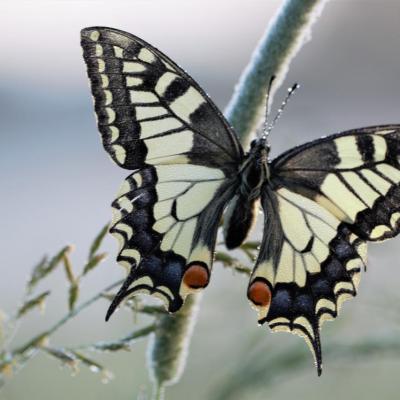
[[322, 201]]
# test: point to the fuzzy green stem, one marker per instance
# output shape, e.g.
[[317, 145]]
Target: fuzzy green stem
[[287, 32], [159, 392], [169, 346]]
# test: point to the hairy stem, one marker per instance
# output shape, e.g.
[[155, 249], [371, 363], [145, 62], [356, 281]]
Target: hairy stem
[[287, 32], [169, 346]]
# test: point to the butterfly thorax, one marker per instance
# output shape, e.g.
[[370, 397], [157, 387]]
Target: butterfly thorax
[[254, 170], [242, 210]]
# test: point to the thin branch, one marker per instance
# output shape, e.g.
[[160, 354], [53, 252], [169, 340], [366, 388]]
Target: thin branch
[[48, 332], [121, 344]]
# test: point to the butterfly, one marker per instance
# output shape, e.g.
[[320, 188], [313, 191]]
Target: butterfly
[[322, 201]]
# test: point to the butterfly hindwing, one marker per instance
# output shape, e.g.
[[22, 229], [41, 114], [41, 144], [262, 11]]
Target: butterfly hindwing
[[309, 263], [164, 232], [155, 120]]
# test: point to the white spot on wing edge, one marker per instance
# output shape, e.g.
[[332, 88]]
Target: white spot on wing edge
[[101, 65], [114, 133], [108, 97], [124, 228], [146, 55], [120, 153], [131, 253], [104, 81], [110, 115], [95, 35], [98, 50]]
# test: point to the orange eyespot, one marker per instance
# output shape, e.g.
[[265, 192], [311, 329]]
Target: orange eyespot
[[196, 276], [259, 293]]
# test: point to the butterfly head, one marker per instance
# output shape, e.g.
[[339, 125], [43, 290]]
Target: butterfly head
[[259, 149]]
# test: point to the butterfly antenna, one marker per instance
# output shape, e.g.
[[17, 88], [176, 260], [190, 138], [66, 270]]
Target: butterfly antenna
[[281, 108], [267, 97]]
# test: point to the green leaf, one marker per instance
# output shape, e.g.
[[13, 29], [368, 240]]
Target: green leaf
[[94, 262], [124, 343], [225, 258], [38, 272], [250, 249], [231, 262], [94, 366], [97, 241], [63, 355], [68, 269], [73, 295], [37, 301], [251, 245], [45, 267]]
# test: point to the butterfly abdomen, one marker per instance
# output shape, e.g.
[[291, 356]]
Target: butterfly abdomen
[[239, 220], [242, 210]]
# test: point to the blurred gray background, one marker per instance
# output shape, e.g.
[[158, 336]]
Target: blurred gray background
[[57, 184]]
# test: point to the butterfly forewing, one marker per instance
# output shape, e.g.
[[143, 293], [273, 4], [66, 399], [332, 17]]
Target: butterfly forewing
[[149, 110], [354, 174], [154, 119]]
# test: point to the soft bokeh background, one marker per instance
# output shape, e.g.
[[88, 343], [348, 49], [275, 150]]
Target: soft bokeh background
[[57, 183]]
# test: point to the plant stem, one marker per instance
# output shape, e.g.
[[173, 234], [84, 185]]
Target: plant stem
[[169, 346], [287, 32], [159, 392], [37, 339]]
